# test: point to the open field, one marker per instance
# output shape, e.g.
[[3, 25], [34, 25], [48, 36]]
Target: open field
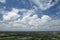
[[30, 35]]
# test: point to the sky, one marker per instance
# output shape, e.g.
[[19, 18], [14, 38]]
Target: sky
[[29, 15]]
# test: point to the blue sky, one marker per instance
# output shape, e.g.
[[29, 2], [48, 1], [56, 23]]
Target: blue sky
[[29, 15]]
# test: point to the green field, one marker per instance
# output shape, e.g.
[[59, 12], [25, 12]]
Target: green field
[[30, 35]]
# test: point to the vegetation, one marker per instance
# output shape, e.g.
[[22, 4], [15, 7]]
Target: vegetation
[[30, 35]]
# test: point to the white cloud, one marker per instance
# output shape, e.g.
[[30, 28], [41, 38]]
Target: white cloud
[[3, 1], [44, 4], [11, 15], [28, 23]]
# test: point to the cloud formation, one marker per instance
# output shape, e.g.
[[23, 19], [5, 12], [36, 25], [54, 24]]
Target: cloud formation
[[12, 22], [2, 1], [45, 4], [11, 15]]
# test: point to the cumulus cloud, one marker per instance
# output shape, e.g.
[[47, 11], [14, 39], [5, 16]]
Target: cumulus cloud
[[11, 15], [28, 23], [3, 1], [45, 4]]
